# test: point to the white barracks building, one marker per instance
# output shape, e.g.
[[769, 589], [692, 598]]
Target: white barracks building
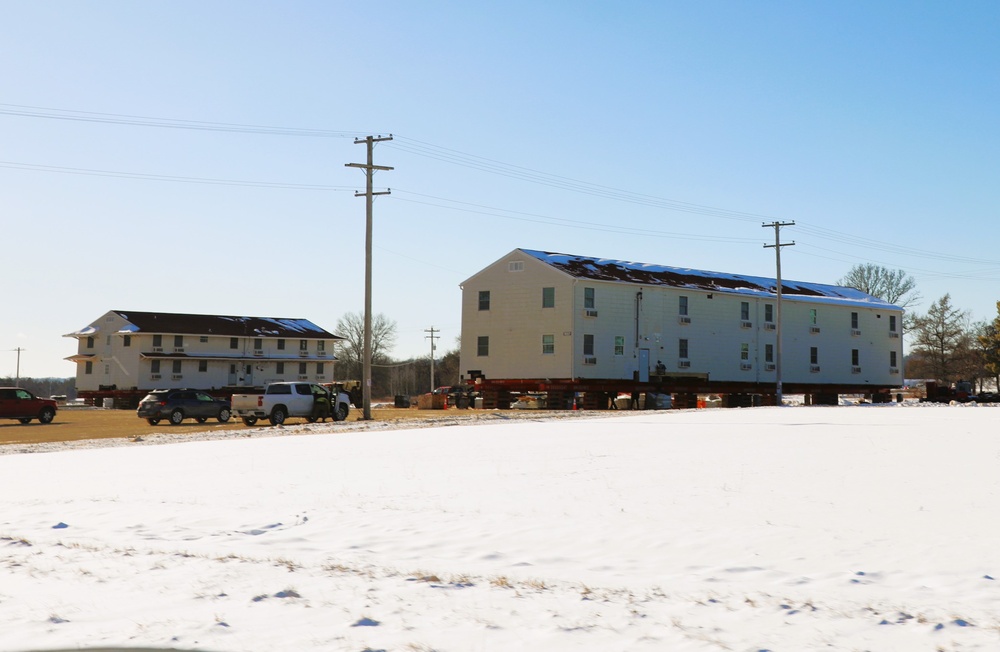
[[542, 315]]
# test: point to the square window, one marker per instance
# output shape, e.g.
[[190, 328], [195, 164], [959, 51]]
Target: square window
[[258, 344], [234, 342], [203, 339], [203, 366]]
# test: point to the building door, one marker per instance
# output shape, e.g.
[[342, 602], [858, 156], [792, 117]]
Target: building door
[[643, 365], [248, 375], [232, 375]]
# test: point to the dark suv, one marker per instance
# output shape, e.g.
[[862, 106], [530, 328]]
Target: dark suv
[[179, 404]]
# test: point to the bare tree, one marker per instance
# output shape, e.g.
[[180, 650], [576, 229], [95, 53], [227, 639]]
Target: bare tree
[[941, 340], [895, 286], [352, 327]]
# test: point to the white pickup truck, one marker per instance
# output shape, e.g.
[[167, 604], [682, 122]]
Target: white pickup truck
[[289, 399]]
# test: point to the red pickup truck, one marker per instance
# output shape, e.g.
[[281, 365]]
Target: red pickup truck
[[20, 404]]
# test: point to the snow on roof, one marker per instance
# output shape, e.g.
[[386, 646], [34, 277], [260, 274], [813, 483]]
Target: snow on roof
[[163, 322], [83, 332], [606, 269]]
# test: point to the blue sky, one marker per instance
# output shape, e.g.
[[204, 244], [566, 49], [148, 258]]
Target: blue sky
[[661, 132]]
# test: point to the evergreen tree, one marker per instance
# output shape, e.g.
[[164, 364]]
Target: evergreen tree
[[989, 342]]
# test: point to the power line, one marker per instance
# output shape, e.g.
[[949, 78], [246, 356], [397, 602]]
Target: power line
[[166, 123]]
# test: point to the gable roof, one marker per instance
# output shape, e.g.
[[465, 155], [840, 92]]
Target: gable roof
[[184, 324], [606, 269]]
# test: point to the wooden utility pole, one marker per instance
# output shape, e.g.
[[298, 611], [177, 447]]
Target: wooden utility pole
[[368, 194], [432, 337], [777, 253]]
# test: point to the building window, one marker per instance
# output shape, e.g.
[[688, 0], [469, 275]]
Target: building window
[[682, 349], [234, 342], [588, 344], [619, 345], [548, 297], [203, 339], [303, 345], [90, 342], [855, 357], [154, 366], [588, 298], [483, 345], [745, 351], [892, 323], [854, 320], [203, 366], [88, 367], [321, 345], [178, 341], [176, 367], [769, 313], [813, 355], [279, 368], [745, 310], [157, 341], [127, 340], [548, 344], [258, 343], [812, 316], [515, 266], [281, 345], [892, 359], [319, 368], [303, 370], [682, 306], [484, 299], [768, 353]]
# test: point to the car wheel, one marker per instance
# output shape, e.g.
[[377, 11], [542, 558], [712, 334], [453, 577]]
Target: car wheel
[[176, 417], [224, 415], [46, 415], [311, 419], [25, 420], [277, 416], [249, 421], [342, 411], [201, 419], [152, 422]]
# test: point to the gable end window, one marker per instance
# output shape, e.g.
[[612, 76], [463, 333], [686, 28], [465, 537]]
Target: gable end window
[[548, 297], [589, 300], [484, 299]]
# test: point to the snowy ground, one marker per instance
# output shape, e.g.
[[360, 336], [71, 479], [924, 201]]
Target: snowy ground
[[781, 529]]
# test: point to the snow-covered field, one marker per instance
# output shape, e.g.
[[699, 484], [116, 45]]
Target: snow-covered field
[[782, 529]]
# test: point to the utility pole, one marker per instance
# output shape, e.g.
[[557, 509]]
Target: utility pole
[[777, 254], [432, 337], [368, 194], [17, 381]]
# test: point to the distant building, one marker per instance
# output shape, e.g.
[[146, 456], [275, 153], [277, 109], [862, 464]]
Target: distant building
[[129, 350], [541, 315]]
